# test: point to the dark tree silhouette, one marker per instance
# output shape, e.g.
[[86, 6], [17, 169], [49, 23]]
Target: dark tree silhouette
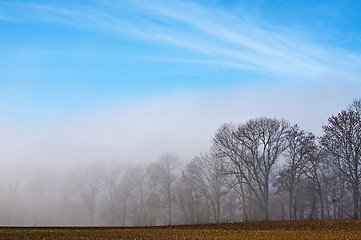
[[250, 152], [342, 141]]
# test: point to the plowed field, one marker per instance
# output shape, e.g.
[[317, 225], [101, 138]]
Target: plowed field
[[342, 229]]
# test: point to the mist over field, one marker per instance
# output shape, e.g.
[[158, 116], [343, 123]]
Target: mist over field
[[110, 111], [183, 124]]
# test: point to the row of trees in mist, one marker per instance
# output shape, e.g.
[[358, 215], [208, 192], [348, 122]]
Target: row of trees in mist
[[263, 169]]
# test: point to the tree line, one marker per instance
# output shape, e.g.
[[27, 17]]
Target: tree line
[[260, 170]]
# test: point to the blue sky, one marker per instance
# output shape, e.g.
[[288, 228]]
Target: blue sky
[[62, 56], [85, 65]]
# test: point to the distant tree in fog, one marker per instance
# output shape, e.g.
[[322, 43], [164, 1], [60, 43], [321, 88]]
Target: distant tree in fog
[[11, 183], [250, 152], [190, 200], [85, 187], [335, 188], [317, 172], [300, 149], [205, 172], [108, 182], [138, 196], [123, 191], [162, 177], [235, 181], [342, 143]]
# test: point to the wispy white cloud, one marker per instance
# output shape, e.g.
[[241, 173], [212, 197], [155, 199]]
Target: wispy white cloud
[[225, 36], [239, 41]]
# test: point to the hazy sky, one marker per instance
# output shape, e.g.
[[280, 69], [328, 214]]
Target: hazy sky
[[133, 79]]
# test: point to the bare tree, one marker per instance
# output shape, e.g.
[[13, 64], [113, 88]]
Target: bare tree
[[108, 180], [206, 173], [190, 200], [335, 188], [153, 205], [317, 171], [84, 183], [138, 196], [123, 192], [162, 176], [250, 151], [342, 141], [301, 148]]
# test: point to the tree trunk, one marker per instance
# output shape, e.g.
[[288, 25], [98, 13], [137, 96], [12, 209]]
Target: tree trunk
[[266, 197], [266, 208], [290, 205], [218, 210], [355, 202], [169, 211]]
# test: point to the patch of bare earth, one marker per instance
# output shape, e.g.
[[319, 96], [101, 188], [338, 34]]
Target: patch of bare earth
[[340, 229]]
